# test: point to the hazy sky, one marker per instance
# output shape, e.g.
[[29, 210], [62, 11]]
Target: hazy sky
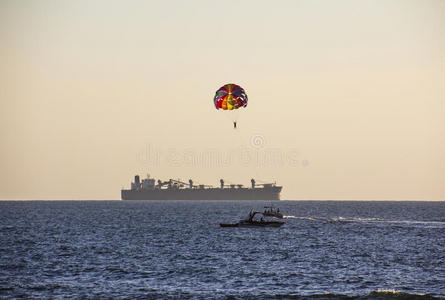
[[346, 98]]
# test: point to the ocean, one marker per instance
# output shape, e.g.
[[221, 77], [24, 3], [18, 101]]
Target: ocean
[[177, 250]]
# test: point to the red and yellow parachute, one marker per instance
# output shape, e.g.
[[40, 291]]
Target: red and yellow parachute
[[229, 97]]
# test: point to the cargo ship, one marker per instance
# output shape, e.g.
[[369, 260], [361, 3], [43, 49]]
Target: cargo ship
[[149, 189]]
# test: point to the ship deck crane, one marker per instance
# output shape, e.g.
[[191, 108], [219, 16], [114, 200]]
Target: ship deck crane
[[177, 182]]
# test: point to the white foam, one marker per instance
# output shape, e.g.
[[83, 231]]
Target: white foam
[[433, 224]]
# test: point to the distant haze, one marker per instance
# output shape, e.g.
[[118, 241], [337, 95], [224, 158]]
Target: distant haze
[[346, 98]]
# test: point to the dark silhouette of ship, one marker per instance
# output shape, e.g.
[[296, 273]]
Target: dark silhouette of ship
[[149, 189]]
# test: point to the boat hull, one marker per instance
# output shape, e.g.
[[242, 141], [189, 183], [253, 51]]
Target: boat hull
[[261, 224], [253, 224], [228, 224], [270, 193]]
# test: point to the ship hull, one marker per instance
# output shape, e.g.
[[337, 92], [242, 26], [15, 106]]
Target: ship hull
[[271, 193]]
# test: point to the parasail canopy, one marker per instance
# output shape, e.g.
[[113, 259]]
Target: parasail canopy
[[230, 96]]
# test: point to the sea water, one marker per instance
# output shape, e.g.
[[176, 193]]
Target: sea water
[[176, 249]]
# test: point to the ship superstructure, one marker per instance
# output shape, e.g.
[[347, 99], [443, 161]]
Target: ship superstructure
[[175, 189]]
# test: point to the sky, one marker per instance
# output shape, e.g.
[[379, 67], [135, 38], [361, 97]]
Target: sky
[[346, 98]]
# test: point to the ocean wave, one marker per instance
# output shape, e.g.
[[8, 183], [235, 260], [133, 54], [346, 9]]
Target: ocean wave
[[374, 295], [173, 250], [393, 294]]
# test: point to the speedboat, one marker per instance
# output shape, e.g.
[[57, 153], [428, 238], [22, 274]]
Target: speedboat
[[271, 211], [251, 221]]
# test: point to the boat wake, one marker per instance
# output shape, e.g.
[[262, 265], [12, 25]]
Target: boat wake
[[430, 224], [438, 224], [290, 217]]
